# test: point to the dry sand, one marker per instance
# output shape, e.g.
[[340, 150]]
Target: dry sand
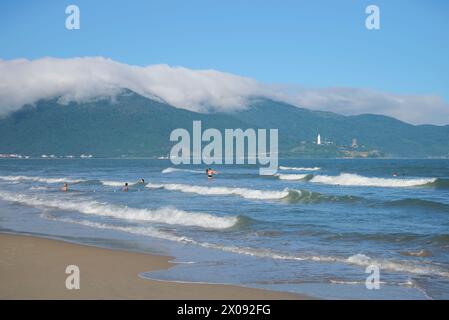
[[34, 268]]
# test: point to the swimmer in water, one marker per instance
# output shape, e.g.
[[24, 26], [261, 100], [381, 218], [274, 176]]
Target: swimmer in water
[[125, 188], [65, 188], [142, 181], [210, 173]]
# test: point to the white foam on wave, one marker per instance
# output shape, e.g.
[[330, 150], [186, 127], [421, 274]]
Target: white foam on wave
[[40, 179], [357, 259], [171, 170], [299, 168], [348, 282], [349, 179], [111, 183], [39, 188], [166, 215], [291, 176], [145, 231], [399, 266], [242, 192]]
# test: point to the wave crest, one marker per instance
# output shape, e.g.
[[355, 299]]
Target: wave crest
[[40, 179], [171, 170], [357, 259], [166, 215], [349, 179], [299, 168], [360, 260], [242, 192], [440, 183], [294, 176], [306, 196], [145, 231], [111, 183]]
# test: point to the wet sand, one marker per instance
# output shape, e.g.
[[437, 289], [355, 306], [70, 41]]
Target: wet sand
[[34, 268]]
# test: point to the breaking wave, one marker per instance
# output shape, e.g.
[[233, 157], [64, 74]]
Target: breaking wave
[[171, 170], [166, 215], [144, 231], [360, 260], [440, 183], [40, 179], [398, 266], [286, 195], [420, 253], [111, 183], [306, 196], [349, 179], [242, 192], [357, 259], [299, 168], [294, 176]]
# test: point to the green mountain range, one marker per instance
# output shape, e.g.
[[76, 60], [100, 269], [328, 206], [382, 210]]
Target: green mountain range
[[132, 125]]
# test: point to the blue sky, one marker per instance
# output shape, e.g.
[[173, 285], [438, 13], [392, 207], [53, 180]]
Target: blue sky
[[311, 43]]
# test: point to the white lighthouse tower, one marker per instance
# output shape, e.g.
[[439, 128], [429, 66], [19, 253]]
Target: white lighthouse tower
[[318, 139]]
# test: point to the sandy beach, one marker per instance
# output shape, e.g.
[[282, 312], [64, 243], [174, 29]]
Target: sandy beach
[[34, 268]]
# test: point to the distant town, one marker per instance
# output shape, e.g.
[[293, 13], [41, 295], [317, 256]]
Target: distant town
[[320, 147], [44, 156], [325, 147]]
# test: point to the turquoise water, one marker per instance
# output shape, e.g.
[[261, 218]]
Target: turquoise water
[[313, 228]]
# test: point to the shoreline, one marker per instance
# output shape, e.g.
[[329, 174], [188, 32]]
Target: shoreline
[[34, 268]]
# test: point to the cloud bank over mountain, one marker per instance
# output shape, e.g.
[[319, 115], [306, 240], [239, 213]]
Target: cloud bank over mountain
[[89, 78]]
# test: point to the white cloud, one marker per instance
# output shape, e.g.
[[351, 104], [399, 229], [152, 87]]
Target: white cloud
[[416, 109], [82, 79]]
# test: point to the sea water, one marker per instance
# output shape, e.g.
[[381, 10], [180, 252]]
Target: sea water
[[312, 228]]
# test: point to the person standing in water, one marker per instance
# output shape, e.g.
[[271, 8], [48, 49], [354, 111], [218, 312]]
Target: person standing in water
[[210, 173], [125, 188], [65, 188]]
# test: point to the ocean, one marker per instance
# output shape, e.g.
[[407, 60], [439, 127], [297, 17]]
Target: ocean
[[313, 228]]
